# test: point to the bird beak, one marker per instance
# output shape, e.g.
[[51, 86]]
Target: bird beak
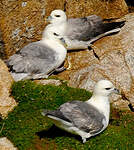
[[49, 18], [63, 42], [116, 91]]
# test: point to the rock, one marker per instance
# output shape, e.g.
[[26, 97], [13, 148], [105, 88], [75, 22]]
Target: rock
[[130, 4], [104, 8], [5, 144], [116, 63], [49, 81], [9, 6], [22, 22], [2, 49], [18, 26], [7, 103]]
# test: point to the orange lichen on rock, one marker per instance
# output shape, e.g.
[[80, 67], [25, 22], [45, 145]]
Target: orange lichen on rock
[[23, 25], [103, 8]]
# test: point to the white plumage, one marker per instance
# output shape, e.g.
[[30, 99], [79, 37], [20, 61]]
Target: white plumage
[[82, 32], [39, 59], [87, 118]]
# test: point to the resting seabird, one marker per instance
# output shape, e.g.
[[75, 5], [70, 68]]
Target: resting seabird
[[39, 59], [88, 118], [81, 32]]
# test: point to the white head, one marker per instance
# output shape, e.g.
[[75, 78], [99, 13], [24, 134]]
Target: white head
[[57, 16], [104, 88], [51, 33]]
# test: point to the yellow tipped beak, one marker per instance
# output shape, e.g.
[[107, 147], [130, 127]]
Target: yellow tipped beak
[[116, 91], [63, 42], [49, 18]]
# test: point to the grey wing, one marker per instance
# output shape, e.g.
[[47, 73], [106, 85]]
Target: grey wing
[[83, 116], [83, 29], [33, 58], [37, 49], [89, 27]]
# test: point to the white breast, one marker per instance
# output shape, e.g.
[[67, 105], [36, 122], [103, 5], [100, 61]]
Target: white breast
[[103, 105], [58, 48]]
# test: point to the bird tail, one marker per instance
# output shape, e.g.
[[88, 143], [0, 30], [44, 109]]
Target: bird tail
[[44, 112], [113, 25]]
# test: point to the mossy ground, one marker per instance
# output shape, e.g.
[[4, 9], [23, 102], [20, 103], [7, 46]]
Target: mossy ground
[[29, 130]]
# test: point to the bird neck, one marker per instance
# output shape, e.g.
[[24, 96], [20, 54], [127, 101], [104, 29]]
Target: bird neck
[[101, 103], [57, 45], [62, 27]]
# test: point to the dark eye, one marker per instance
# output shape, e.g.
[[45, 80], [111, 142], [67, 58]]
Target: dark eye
[[57, 15], [107, 88], [56, 34]]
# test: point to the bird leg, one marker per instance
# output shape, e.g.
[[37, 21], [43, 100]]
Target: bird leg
[[60, 69], [83, 139], [76, 44], [92, 48], [83, 135]]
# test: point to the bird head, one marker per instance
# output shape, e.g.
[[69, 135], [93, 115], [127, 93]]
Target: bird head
[[57, 16], [105, 88]]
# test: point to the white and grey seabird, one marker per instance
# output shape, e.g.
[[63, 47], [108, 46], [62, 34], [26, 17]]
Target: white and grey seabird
[[81, 32], [88, 118], [39, 59]]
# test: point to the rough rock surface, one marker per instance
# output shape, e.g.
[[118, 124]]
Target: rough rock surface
[[49, 81], [7, 103], [5, 144], [115, 63], [103, 8], [22, 22], [2, 49]]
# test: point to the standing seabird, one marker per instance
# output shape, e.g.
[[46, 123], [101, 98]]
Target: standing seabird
[[39, 59], [81, 32], [87, 118]]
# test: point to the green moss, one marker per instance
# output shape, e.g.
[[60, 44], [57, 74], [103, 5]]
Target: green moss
[[23, 124]]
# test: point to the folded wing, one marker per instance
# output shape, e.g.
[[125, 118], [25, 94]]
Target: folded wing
[[33, 58], [84, 29], [82, 115]]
